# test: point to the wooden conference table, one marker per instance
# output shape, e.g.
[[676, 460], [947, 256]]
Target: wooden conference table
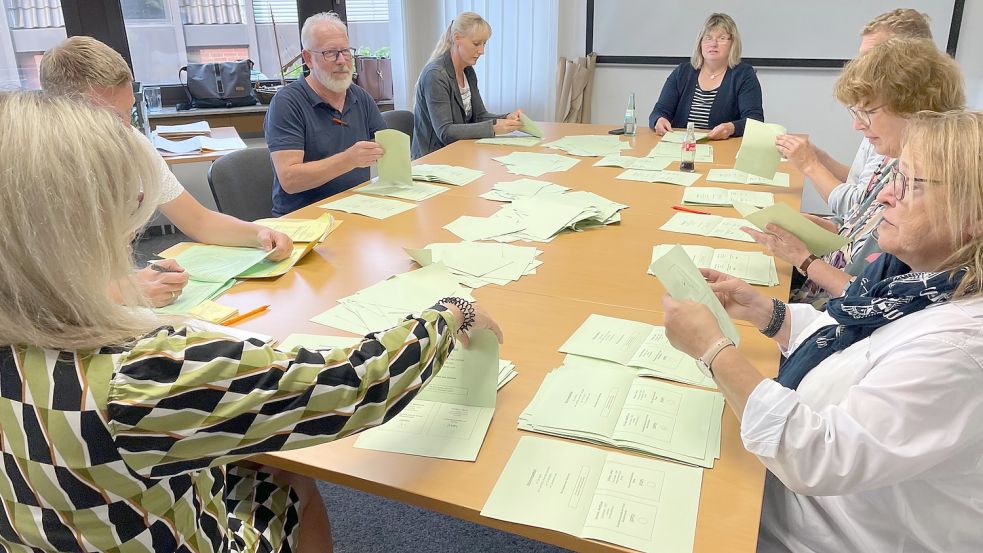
[[601, 270]]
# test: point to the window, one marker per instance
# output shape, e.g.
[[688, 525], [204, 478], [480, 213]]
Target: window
[[283, 11], [367, 10], [27, 29], [204, 31], [143, 9]]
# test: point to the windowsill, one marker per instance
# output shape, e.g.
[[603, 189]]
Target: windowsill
[[169, 112]]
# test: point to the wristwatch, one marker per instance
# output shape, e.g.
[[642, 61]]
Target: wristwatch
[[707, 358], [804, 267]]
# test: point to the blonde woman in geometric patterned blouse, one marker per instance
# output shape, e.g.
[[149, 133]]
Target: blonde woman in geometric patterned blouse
[[882, 89], [116, 431]]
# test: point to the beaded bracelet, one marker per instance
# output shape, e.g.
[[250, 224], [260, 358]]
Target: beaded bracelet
[[777, 319], [467, 310]]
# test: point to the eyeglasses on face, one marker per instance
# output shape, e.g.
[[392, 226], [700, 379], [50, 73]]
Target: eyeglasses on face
[[900, 182], [333, 55], [710, 39], [863, 115]]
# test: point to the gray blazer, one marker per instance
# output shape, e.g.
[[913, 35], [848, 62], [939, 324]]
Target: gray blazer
[[438, 118]]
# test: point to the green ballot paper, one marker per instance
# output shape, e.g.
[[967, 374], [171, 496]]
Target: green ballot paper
[[529, 126], [819, 240], [449, 418], [683, 280], [394, 165], [758, 154]]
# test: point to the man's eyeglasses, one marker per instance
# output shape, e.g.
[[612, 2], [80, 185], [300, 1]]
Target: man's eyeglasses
[[863, 115], [333, 55], [900, 180]]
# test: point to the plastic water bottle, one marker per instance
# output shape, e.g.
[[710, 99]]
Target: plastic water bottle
[[687, 160], [630, 116]]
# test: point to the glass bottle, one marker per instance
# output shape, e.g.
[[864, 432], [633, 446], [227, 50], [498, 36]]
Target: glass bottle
[[630, 115]]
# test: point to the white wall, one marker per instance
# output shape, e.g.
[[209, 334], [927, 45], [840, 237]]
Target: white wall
[[800, 99]]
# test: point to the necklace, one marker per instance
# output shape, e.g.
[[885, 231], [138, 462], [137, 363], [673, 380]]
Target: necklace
[[713, 75]]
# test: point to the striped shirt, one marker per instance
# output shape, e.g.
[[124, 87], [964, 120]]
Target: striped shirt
[[124, 449], [699, 110]]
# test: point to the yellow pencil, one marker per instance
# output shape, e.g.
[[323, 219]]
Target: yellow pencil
[[246, 315]]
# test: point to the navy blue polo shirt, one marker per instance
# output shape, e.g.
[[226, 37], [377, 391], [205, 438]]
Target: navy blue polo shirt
[[299, 119]]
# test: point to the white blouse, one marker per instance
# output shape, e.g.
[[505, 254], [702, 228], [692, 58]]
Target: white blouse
[[881, 447], [466, 98]]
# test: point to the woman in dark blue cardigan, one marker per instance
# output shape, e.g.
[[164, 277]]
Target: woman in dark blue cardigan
[[715, 90]]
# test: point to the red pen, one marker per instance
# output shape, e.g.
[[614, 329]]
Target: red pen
[[337, 121], [688, 210]]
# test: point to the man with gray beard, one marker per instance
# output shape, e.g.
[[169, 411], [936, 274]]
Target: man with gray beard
[[320, 129]]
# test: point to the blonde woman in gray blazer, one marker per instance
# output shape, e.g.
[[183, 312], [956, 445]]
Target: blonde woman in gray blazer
[[448, 104]]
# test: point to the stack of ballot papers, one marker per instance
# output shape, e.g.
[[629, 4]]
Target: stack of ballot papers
[[532, 164], [751, 267], [521, 188], [740, 177], [479, 263], [713, 196], [447, 174], [189, 130], [590, 145], [614, 407], [679, 178], [684, 282], [678, 137], [642, 504], [213, 312], [728, 228], [758, 154], [384, 304], [395, 172], [629, 162], [819, 240], [377, 208], [704, 152], [302, 230], [414, 191], [539, 218], [211, 271], [602, 340], [196, 144], [450, 416]]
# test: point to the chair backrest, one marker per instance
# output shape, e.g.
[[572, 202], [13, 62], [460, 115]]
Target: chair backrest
[[399, 119], [242, 183]]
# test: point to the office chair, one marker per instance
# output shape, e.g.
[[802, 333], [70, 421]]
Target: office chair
[[242, 183]]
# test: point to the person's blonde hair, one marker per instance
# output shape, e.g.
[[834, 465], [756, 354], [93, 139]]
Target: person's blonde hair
[[324, 17], [78, 64], [466, 24], [947, 147], [726, 24], [70, 192], [906, 75], [902, 23]]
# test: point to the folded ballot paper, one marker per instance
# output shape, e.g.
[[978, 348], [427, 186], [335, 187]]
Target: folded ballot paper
[[614, 407], [446, 174], [819, 240], [752, 267], [450, 416], [602, 341], [476, 264], [643, 504], [539, 218], [715, 226], [590, 145], [740, 177], [713, 196], [641, 163], [522, 188], [385, 304], [532, 164], [758, 154], [673, 151]]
